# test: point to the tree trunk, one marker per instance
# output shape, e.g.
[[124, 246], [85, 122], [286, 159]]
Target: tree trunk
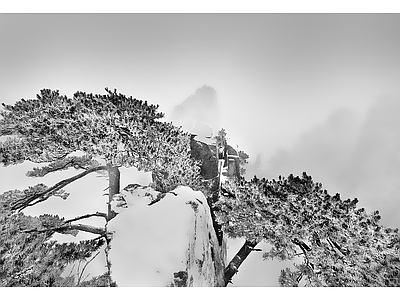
[[233, 266], [113, 189]]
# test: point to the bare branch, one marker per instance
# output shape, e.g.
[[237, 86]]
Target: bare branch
[[100, 237], [303, 246], [83, 227], [335, 246], [70, 227], [97, 214]]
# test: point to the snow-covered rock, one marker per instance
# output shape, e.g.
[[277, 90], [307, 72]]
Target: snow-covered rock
[[164, 239]]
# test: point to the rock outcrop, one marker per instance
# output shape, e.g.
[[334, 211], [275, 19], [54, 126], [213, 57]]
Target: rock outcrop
[[207, 155], [232, 162], [164, 239]]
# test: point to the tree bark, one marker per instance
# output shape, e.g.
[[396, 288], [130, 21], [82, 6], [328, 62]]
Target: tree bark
[[113, 189], [233, 266]]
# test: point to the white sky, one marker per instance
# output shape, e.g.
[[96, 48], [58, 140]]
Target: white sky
[[304, 91]]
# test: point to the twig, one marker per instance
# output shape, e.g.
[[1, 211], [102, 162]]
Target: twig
[[72, 269], [86, 277], [79, 265], [84, 267]]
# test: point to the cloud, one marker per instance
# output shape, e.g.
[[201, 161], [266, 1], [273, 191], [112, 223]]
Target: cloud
[[324, 147], [358, 158], [375, 166], [201, 107]]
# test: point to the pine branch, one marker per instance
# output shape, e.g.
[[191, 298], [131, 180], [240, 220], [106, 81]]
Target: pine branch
[[42, 196], [70, 227], [78, 162], [40, 172]]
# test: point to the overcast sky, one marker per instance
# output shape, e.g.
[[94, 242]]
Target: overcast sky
[[317, 93]]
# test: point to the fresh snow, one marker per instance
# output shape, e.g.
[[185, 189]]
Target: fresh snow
[[151, 242]]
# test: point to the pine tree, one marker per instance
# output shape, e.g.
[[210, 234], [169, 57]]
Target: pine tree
[[90, 133], [341, 244]]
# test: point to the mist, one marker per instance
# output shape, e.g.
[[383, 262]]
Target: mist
[[200, 108], [352, 154]]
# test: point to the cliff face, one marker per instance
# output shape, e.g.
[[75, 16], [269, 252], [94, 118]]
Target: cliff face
[[164, 239]]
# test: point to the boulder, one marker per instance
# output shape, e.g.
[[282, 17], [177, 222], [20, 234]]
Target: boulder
[[164, 239]]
